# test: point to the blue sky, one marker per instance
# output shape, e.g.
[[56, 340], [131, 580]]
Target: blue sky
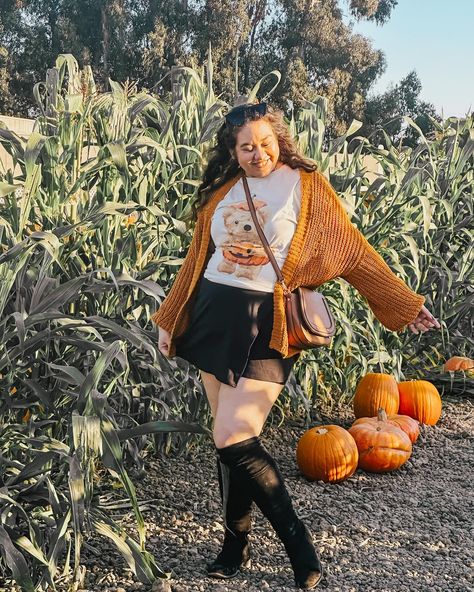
[[435, 38]]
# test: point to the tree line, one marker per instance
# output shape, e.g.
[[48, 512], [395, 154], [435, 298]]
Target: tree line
[[311, 42]]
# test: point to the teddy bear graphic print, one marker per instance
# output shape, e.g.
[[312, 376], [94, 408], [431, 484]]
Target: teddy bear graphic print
[[240, 258]]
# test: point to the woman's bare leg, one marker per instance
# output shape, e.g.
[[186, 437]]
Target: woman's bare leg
[[243, 410], [211, 386]]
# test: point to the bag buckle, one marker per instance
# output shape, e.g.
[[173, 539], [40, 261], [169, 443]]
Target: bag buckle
[[286, 292]]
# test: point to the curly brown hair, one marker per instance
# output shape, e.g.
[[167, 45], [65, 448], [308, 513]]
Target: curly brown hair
[[222, 167]]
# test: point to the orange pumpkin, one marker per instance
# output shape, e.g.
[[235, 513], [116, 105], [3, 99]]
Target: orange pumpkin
[[409, 425], [458, 363], [404, 422], [376, 391], [421, 400], [382, 446], [327, 453]]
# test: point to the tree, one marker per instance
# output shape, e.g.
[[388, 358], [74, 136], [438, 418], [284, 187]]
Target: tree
[[167, 31], [308, 41], [319, 54], [227, 25], [6, 100], [387, 110]]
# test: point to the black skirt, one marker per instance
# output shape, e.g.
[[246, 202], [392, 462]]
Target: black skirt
[[228, 335]]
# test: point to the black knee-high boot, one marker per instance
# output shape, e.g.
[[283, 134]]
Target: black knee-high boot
[[237, 515], [257, 470]]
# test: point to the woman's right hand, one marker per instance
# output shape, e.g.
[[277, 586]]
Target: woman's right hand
[[423, 322], [164, 339]]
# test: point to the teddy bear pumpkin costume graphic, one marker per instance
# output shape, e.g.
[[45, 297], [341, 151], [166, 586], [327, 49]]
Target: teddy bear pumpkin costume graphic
[[242, 249]]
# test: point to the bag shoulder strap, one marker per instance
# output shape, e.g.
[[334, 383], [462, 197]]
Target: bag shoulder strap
[[261, 234]]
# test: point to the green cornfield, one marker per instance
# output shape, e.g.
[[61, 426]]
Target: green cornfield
[[95, 219]]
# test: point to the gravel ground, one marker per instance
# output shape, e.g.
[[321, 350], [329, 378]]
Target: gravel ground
[[411, 530]]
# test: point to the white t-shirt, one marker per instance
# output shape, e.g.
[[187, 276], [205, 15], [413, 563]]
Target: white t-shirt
[[240, 259]]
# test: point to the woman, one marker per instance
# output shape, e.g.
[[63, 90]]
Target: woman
[[225, 311]]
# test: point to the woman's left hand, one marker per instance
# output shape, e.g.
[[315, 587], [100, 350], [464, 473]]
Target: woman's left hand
[[424, 321]]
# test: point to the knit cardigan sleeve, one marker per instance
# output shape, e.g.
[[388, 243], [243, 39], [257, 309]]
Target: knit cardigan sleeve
[[393, 303], [166, 315]]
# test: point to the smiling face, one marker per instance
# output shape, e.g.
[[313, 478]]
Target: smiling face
[[256, 148]]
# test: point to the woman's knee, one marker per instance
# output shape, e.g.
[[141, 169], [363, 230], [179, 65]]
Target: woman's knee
[[227, 434]]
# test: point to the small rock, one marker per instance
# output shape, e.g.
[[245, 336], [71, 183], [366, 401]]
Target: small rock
[[161, 585]]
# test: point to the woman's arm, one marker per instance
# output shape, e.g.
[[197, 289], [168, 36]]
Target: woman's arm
[[169, 308], [393, 303], [391, 300]]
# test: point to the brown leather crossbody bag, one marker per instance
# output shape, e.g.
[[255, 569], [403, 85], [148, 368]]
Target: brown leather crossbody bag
[[309, 320]]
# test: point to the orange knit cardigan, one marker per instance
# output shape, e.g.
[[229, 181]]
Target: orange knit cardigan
[[325, 246]]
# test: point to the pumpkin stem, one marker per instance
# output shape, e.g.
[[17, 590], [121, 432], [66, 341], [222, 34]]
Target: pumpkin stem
[[321, 431], [381, 415]]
